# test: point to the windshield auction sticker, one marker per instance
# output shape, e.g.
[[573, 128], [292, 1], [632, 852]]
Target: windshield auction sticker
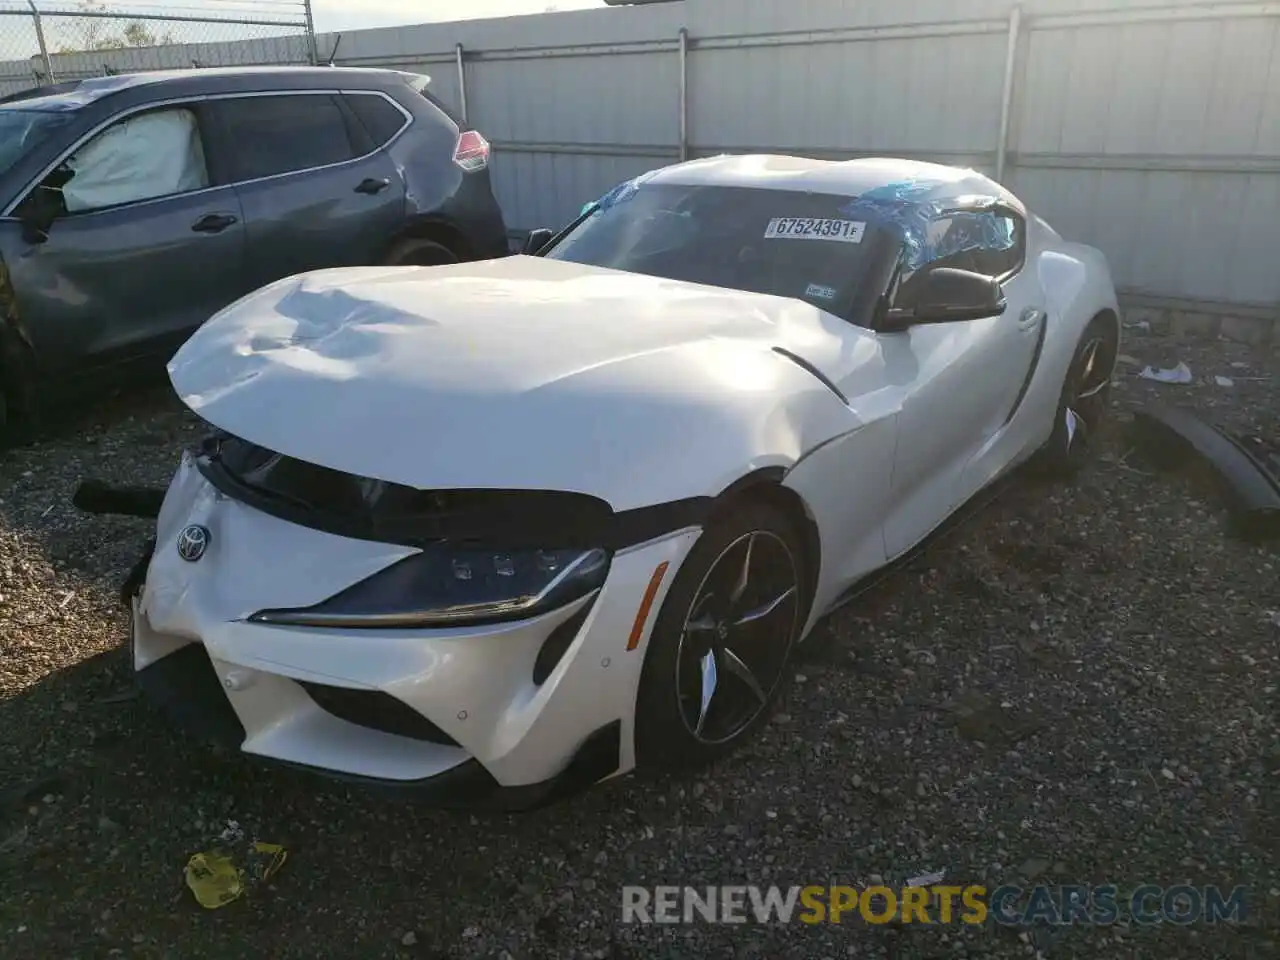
[[809, 228]]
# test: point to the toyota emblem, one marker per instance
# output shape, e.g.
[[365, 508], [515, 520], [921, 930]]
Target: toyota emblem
[[193, 541]]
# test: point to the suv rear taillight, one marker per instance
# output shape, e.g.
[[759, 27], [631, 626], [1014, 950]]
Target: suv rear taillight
[[472, 151]]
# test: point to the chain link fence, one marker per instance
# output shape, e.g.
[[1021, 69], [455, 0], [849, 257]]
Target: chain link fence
[[44, 41]]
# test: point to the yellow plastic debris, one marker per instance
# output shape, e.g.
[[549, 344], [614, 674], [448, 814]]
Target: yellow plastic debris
[[216, 881]]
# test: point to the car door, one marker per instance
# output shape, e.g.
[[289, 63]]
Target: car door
[[140, 243], [962, 378], [316, 192]]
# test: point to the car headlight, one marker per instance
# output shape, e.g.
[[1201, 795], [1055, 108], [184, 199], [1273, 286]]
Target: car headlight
[[447, 586]]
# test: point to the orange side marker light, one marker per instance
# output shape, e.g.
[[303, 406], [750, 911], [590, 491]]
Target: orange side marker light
[[642, 615]]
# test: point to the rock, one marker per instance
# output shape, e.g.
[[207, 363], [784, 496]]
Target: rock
[[1034, 868], [14, 840], [409, 939]]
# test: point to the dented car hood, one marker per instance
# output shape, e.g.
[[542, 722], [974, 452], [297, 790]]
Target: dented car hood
[[522, 373]]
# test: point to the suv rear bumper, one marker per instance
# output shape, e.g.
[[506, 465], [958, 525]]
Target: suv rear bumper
[[475, 211]]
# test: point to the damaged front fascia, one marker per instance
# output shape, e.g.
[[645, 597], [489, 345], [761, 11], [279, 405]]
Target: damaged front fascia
[[1248, 473], [364, 509]]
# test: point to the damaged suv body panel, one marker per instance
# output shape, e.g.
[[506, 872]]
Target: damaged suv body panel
[[530, 374], [110, 182]]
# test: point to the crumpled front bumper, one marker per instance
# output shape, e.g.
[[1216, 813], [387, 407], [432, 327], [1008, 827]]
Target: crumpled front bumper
[[452, 714]]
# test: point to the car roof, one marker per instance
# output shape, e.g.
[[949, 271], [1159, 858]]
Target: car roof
[[852, 178], [65, 96]]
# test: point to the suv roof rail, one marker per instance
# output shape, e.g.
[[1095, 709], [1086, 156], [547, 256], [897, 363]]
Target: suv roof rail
[[48, 90]]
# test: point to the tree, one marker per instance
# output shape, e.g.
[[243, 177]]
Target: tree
[[95, 32], [136, 34]]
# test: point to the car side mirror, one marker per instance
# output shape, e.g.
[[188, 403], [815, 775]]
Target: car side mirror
[[947, 295], [536, 240]]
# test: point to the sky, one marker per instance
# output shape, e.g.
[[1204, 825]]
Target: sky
[[18, 43], [331, 15]]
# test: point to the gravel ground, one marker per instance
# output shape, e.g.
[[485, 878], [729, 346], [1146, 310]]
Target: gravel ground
[[1079, 686]]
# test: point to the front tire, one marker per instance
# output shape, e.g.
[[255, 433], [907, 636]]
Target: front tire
[[723, 640], [1085, 399]]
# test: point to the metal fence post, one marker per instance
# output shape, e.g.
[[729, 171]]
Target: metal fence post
[[684, 94], [311, 34], [1006, 96], [460, 56], [44, 48]]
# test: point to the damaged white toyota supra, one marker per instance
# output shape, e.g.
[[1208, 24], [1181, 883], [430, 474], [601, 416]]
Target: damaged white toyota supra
[[497, 531]]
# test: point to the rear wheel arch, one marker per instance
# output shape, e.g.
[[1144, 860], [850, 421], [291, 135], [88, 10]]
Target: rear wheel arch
[[431, 230], [1084, 396], [1111, 317]]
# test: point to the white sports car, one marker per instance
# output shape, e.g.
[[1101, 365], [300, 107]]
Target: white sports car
[[500, 530]]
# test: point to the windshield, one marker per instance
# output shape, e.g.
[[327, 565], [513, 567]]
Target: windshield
[[781, 242], [21, 130]]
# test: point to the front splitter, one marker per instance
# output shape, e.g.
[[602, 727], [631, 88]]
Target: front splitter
[[185, 687]]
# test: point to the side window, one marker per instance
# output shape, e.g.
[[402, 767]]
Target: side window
[[281, 134], [979, 240], [379, 117], [142, 157]]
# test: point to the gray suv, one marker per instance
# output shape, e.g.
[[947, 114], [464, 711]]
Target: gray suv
[[132, 208]]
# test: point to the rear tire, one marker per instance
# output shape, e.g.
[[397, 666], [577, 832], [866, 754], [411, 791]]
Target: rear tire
[[723, 640], [1085, 399], [419, 252]]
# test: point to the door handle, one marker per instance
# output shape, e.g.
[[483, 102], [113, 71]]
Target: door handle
[[372, 186], [1031, 318], [214, 223]]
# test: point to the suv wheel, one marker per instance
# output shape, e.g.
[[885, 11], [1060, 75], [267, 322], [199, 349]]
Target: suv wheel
[[419, 252]]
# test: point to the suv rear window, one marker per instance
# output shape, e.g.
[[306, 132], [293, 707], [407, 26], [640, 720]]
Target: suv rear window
[[286, 132], [382, 120]]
